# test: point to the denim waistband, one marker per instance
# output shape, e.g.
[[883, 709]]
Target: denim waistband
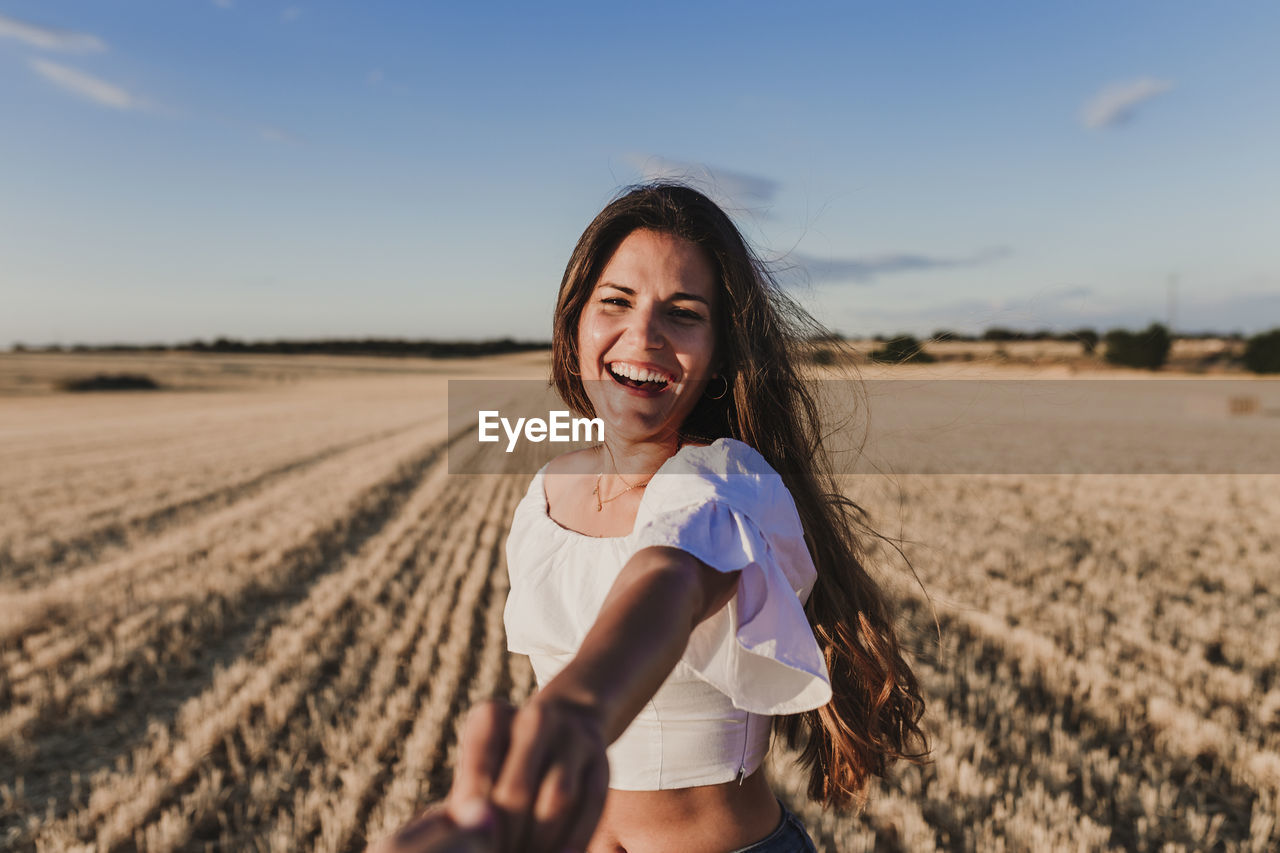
[[788, 837]]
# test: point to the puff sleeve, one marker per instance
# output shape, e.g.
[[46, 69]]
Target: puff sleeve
[[726, 506]]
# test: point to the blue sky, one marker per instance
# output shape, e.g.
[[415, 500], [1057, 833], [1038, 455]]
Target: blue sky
[[172, 169]]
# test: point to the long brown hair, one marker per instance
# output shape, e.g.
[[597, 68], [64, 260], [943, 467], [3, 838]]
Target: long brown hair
[[874, 714]]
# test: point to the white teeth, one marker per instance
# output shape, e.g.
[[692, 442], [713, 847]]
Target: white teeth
[[635, 373]]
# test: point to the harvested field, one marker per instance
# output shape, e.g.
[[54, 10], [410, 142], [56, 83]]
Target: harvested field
[[247, 611]]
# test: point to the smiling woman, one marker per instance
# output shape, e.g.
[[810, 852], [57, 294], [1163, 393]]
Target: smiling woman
[[691, 584], [646, 334]]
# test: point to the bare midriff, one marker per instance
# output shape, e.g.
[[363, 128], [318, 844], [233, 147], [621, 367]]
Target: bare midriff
[[704, 819]]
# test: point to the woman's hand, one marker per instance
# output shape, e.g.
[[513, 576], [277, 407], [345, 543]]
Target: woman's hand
[[467, 822], [554, 779], [526, 781], [471, 829], [543, 770]]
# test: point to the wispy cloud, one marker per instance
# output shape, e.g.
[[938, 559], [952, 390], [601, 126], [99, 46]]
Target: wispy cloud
[[50, 38], [867, 269], [1117, 103], [733, 188], [87, 86], [290, 14]]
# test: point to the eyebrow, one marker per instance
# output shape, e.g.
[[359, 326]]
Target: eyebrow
[[679, 295]]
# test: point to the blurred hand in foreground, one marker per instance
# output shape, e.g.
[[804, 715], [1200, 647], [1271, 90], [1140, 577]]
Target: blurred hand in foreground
[[467, 822], [532, 780], [551, 783], [469, 829]]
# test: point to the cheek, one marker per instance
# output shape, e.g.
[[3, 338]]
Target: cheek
[[592, 335], [587, 334], [700, 351]]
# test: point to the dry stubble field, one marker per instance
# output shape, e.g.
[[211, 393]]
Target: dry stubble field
[[247, 613]]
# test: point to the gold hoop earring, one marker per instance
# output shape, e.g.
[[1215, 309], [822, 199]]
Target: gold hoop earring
[[719, 396], [573, 372]]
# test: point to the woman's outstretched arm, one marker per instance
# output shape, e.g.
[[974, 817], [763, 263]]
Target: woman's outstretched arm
[[553, 781], [544, 765]]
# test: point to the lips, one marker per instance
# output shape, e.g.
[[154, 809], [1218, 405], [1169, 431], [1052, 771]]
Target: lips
[[641, 379], [640, 372]]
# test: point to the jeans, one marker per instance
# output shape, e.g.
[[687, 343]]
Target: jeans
[[789, 837]]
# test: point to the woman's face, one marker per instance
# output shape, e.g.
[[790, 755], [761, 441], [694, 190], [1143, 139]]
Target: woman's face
[[646, 337]]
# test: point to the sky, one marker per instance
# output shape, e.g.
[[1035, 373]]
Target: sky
[[181, 169]]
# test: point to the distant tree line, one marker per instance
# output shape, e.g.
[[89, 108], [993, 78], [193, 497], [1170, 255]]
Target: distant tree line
[[1148, 348], [336, 346]]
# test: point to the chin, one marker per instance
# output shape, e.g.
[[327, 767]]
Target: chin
[[636, 425]]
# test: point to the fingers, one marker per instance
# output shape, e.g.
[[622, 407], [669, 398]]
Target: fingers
[[555, 778], [482, 746], [594, 787], [542, 769], [518, 783], [436, 831], [570, 803], [552, 809]]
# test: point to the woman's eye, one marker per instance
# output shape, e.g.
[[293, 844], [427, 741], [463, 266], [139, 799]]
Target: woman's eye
[[615, 300], [686, 314]]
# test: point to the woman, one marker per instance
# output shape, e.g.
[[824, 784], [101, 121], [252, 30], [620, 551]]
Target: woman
[[692, 583]]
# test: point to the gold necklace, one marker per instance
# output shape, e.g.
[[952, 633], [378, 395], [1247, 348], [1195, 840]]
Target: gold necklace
[[600, 502]]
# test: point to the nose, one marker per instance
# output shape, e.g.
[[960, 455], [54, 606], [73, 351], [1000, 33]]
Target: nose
[[646, 328]]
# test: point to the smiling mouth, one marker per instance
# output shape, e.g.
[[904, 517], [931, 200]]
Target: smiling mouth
[[656, 385]]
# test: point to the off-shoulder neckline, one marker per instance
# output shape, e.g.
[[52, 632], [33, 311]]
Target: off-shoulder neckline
[[545, 510]]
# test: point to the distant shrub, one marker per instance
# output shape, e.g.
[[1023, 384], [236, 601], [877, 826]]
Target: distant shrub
[[110, 382], [1262, 352], [901, 349], [999, 333], [1088, 339], [823, 356], [1146, 349]]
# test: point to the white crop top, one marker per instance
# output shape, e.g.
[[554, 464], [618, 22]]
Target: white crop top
[[756, 657]]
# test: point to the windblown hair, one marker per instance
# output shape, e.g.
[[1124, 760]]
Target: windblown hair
[[874, 714]]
